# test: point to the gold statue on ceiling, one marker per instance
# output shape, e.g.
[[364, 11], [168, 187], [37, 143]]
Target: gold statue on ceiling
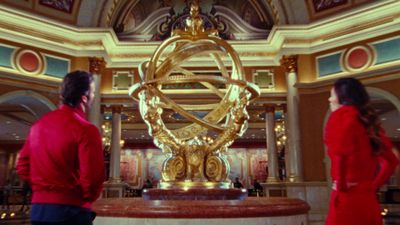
[[194, 24]]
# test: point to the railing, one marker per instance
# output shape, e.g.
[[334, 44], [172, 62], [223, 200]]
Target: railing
[[15, 205]]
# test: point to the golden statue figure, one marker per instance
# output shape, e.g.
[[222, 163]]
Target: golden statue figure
[[194, 24], [195, 158]]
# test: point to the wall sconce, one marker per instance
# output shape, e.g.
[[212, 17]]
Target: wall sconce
[[280, 133], [106, 132]]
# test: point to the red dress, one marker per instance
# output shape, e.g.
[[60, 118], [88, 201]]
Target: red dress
[[356, 170]]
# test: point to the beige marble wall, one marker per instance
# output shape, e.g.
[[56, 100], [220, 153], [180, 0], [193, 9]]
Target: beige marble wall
[[316, 194]]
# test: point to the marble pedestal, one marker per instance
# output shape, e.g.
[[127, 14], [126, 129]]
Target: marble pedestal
[[252, 211]]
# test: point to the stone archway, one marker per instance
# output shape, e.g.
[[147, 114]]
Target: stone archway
[[15, 95], [18, 111]]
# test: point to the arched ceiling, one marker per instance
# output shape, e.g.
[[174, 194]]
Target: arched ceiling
[[143, 20], [153, 21], [258, 13], [126, 32]]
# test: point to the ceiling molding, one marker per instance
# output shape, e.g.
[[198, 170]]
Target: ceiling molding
[[370, 77], [372, 21], [29, 82]]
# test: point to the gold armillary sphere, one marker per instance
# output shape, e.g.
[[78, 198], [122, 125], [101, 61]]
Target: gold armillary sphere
[[195, 159]]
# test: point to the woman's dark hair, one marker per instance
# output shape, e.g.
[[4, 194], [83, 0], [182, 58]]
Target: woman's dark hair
[[75, 85], [350, 91]]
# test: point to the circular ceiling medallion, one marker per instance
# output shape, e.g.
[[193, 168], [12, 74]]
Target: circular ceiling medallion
[[358, 58], [29, 62]]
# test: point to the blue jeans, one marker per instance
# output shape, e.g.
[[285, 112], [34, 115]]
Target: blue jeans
[[48, 214], [83, 218]]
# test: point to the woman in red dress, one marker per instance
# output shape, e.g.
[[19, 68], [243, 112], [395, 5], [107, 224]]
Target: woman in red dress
[[361, 156]]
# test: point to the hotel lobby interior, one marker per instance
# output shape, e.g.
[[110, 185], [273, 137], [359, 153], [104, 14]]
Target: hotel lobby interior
[[289, 54]]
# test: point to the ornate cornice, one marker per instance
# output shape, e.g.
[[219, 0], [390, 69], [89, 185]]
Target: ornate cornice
[[369, 77], [358, 25], [37, 83], [350, 30]]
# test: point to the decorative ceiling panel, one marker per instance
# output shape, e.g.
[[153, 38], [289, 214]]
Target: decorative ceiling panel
[[321, 5], [62, 10], [322, 8], [61, 5]]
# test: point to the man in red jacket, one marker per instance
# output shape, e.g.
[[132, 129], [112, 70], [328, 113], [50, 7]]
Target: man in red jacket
[[62, 158]]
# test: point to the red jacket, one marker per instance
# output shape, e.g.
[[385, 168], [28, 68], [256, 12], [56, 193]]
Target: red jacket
[[351, 153], [63, 160]]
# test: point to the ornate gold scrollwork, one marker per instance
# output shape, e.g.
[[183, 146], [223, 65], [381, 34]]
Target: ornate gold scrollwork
[[174, 169], [216, 168]]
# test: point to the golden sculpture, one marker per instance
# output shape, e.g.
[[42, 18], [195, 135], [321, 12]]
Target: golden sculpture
[[194, 157]]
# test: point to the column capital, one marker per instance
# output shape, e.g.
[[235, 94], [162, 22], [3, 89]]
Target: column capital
[[103, 109], [284, 108], [116, 108], [290, 63], [96, 65], [270, 108]]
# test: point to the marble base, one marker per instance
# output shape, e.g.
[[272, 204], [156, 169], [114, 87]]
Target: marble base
[[194, 194], [316, 194], [279, 220], [252, 211], [114, 189]]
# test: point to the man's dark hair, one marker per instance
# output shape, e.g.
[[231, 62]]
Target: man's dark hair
[[75, 85]]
